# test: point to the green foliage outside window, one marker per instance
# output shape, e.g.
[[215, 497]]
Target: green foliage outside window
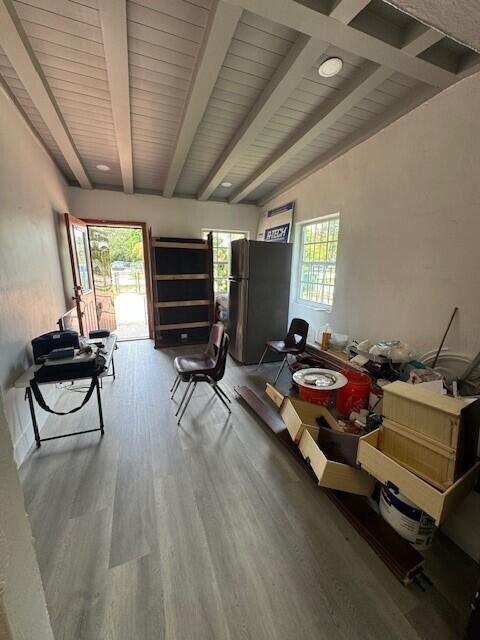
[[221, 258]]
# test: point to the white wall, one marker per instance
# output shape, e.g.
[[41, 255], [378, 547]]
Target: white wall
[[33, 197], [409, 203], [32, 193], [23, 600], [181, 217]]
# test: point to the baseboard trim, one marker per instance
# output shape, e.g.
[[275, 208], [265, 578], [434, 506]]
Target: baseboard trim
[[26, 441]]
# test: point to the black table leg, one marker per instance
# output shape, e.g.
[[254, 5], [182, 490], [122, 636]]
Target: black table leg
[[113, 366], [99, 401], [34, 418]]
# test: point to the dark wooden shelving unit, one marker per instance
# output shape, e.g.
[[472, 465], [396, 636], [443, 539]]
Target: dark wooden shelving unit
[[182, 282]]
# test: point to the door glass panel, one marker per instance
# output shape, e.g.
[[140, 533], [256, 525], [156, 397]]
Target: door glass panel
[[81, 250]]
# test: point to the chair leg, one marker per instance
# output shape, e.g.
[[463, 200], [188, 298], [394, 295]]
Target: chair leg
[[220, 397], [175, 386], [261, 359], [175, 382], [187, 402], [280, 370], [184, 396], [223, 393]]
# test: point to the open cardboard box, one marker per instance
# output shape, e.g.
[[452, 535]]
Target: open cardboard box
[[300, 419]]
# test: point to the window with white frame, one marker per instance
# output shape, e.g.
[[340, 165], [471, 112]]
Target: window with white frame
[[318, 256], [221, 256]]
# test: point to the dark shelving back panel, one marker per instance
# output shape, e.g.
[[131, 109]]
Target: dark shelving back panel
[[168, 261], [175, 315], [168, 290], [174, 336]]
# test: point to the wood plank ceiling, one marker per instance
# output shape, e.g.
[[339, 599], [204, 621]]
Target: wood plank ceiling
[[180, 96]]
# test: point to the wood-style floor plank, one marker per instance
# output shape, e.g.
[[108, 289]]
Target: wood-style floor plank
[[209, 530]]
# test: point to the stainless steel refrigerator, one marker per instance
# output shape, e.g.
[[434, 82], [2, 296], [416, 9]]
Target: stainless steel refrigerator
[[259, 297]]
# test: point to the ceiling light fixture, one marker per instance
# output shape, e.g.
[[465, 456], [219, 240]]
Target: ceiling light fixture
[[103, 167], [226, 184], [330, 67]]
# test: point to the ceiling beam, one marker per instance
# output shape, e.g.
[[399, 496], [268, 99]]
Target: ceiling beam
[[302, 55], [346, 10], [367, 79], [223, 22], [113, 20], [307, 20], [396, 111], [22, 58]]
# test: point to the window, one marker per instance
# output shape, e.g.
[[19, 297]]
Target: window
[[221, 256], [318, 255], [81, 248]]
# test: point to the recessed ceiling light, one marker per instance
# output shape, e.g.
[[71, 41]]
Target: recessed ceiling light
[[103, 167], [330, 67], [226, 184]]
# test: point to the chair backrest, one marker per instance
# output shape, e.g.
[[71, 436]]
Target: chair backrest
[[219, 371], [215, 340], [297, 334]]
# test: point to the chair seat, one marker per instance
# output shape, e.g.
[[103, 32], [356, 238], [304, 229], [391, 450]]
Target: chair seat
[[200, 363], [280, 347]]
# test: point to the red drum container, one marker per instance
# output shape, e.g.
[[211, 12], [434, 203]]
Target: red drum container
[[317, 396], [355, 394]]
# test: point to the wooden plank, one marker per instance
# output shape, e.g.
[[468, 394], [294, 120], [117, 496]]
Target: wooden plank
[[366, 80], [180, 245], [216, 41], [307, 20], [346, 10], [302, 55], [16, 46], [182, 325], [181, 303], [182, 276], [113, 16], [397, 110], [277, 398], [398, 555]]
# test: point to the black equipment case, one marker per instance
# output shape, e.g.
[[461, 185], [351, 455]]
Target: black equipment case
[[47, 342]]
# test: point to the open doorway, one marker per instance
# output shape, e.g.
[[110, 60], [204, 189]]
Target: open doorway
[[118, 266]]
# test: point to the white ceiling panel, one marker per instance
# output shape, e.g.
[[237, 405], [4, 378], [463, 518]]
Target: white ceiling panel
[[258, 116]]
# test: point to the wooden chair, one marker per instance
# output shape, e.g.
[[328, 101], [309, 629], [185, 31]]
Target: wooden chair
[[294, 343]]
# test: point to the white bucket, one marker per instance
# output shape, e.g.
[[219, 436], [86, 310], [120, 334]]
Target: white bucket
[[407, 519]]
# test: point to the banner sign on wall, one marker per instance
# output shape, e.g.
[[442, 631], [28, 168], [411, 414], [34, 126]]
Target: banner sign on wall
[[278, 234], [276, 224]]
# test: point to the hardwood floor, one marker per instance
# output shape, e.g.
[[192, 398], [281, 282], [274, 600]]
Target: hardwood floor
[[210, 530]]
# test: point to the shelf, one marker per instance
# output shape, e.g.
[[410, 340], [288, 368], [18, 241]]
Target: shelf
[[180, 245], [181, 303], [182, 325], [183, 276]]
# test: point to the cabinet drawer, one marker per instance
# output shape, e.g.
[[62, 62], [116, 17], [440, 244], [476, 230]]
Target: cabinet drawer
[[436, 503], [334, 475]]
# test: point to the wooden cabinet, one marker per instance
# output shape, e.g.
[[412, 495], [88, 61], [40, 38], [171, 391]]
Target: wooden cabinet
[[432, 435], [182, 282], [433, 501]]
